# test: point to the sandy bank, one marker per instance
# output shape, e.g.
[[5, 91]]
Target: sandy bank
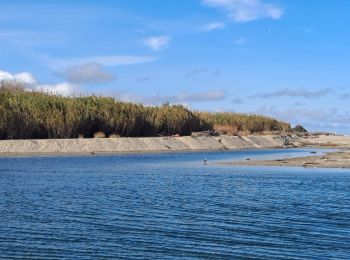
[[162, 144], [339, 159], [327, 141], [135, 145]]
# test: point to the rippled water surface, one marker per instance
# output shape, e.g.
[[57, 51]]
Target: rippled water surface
[[171, 206]]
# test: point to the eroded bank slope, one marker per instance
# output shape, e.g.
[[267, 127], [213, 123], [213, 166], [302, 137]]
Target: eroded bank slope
[[157, 144], [130, 145]]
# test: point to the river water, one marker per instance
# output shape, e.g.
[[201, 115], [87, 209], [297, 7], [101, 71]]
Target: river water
[[168, 206]]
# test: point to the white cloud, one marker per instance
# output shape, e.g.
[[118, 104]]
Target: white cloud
[[30, 83], [24, 78], [240, 41], [246, 10], [64, 88], [87, 73], [157, 43], [27, 78], [213, 26]]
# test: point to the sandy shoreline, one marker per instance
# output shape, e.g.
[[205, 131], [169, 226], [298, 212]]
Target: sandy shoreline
[[139, 145], [339, 159], [166, 144]]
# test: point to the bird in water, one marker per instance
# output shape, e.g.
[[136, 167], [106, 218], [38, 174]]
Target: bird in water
[[205, 160]]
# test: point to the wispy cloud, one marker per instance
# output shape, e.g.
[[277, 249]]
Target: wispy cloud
[[315, 118], [213, 26], [142, 79], [299, 104], [200, 71], [30, 38], [157, 43], [286, 92], [109, 61], [240, 41], [180, 98], [237, 101], [246, 10], [344, 96], [87, 73]]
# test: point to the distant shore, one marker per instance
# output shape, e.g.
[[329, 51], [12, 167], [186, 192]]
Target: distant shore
[[166, 144], [339, 159]]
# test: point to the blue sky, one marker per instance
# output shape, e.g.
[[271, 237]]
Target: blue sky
[[289, 59]]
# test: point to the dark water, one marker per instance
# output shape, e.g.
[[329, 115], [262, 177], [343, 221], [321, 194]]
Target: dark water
[[171, 206]]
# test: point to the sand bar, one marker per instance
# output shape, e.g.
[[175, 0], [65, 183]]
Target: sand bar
[[340, 159]]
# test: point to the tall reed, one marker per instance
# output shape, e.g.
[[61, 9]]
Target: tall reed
[[32, 114]]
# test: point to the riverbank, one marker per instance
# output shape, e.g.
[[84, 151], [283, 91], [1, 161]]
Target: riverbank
[[339, 159], [165, 144], [138, 145]]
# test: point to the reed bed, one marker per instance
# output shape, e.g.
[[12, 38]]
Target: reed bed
[[34, 114], [238, 123]]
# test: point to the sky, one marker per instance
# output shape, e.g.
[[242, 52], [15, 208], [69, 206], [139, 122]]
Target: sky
[[288, 59]]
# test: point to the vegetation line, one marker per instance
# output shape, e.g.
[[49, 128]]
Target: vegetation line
[[33, 115]]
